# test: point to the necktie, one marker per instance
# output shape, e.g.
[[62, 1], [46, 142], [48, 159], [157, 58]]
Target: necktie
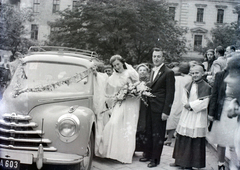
[[152, 77]]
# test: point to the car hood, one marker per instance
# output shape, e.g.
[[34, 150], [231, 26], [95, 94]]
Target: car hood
[[25, 102]]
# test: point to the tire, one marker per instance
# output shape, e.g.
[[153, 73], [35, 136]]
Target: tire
[[87, 161]]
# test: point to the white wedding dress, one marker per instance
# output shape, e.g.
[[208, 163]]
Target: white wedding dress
[[118, 136]]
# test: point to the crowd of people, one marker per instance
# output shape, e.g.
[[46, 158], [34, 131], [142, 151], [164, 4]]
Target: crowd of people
[[192, 101]]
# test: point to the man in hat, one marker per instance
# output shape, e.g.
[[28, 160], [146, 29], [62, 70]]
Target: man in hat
[[162, 84]]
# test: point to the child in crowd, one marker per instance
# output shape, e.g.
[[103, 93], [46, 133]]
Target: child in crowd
[[190, 147]]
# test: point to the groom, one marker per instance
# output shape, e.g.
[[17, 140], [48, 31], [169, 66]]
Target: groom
[[162, 83]]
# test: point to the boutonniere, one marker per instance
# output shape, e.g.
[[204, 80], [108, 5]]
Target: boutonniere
[[159, 73]]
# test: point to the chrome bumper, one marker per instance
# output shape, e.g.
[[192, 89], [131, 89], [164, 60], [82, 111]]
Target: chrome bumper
[[30, 157]]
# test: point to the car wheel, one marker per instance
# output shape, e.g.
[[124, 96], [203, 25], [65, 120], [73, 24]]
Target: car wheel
[[87, 161]]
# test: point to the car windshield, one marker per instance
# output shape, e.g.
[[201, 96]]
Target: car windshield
[[51, 77]]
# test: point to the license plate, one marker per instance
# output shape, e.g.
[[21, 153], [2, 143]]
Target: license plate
[[9, 164]]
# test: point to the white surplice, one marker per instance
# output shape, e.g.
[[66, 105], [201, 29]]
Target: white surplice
[[193, 123]]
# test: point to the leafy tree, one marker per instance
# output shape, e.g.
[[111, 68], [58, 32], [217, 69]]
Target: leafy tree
[[129, 28], [12, 29], [225, 35]]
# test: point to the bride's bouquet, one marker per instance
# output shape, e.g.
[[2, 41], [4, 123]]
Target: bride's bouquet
[[138, 89]]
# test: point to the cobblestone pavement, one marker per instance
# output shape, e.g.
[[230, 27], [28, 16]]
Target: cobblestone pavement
[[166, 159]]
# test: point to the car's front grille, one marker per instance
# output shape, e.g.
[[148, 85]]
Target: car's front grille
[[16, 132]]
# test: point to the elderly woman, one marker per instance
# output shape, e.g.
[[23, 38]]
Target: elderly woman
[[143, 72]]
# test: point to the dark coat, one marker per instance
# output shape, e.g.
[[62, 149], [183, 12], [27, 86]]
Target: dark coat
[[163, 88], [218, 95]]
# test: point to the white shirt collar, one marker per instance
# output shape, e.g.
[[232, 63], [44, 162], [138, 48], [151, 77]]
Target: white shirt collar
[[158, 68]]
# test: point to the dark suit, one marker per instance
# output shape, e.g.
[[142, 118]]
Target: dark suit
[[163, 87], [218, 95]]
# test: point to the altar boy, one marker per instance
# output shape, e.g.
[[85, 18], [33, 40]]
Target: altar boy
[[189, 150]]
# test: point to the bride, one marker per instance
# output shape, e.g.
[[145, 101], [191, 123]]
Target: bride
[[118, 136]]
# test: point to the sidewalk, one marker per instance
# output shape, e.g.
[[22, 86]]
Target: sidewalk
[[230, 154], [166, 159]]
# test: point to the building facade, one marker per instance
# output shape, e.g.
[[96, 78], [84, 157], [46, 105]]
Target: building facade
[[200, 16], [44, 11]]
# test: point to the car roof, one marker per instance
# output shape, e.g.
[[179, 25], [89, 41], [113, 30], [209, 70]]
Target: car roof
[[61, 55]]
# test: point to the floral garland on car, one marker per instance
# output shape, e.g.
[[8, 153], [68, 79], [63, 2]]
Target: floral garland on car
[[138, 89], [50, 87]]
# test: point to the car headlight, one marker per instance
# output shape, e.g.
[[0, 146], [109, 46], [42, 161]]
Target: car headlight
[[67, 127]]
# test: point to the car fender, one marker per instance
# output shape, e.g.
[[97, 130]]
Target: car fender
[[47, 117]]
